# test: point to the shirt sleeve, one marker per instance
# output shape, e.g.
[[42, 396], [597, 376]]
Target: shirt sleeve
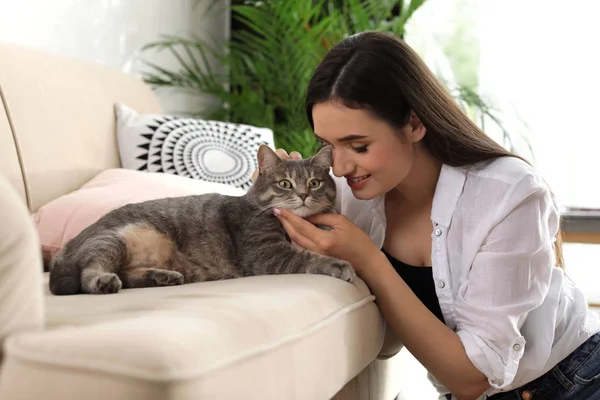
[[509, 277]]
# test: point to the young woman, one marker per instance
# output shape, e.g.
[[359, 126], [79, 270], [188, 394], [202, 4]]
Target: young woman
[[457, 238]]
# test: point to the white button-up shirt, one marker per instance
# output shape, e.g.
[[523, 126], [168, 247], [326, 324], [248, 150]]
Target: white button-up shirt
[[493, 229]]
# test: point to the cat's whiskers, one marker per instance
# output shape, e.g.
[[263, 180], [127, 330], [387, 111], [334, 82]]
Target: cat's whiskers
[[319, 204], [267, 209]]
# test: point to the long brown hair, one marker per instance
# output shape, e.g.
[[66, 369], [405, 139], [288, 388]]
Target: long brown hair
[[381, 73]]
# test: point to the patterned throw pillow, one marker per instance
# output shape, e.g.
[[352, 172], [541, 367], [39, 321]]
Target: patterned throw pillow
[[212, 151]]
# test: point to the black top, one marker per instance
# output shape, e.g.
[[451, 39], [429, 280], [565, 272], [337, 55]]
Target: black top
[[420, 281]]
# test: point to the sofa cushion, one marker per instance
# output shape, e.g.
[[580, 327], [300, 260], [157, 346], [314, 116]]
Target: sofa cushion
[[269, 337], [63, 218], [214, 151]]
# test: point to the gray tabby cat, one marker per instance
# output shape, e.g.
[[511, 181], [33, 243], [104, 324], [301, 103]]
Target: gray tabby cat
[[207, 237]]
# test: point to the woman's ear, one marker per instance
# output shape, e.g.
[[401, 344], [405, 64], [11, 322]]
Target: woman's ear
[[415, 128]]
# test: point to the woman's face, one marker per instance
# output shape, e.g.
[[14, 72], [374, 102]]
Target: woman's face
[[373, 156]]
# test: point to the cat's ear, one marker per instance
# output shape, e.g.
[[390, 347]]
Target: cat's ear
[[323, 158], [267, 158]]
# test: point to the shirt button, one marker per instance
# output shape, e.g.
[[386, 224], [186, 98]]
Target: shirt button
[[526, 395], [517, 347], [438, 232], [442, 284]]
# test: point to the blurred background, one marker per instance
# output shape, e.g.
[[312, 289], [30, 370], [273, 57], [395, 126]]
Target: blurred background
[[524, 70]]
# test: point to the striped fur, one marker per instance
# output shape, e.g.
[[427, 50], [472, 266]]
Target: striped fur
[[179, 240]]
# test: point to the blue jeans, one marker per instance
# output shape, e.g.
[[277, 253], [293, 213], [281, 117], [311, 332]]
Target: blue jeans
[[577, 377]]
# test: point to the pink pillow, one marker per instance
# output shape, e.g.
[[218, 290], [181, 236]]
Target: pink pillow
[[63, 218]]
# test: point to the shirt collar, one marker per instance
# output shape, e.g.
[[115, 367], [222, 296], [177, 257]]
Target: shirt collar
[[448, 189]]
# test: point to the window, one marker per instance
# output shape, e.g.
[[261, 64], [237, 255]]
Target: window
[[538, 62]]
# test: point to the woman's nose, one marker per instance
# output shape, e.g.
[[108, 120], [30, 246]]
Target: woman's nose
[[341, 165]]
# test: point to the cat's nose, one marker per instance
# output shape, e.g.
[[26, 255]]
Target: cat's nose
[[303, 196]]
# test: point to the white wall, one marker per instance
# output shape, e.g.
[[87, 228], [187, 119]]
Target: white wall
[[111, 32]]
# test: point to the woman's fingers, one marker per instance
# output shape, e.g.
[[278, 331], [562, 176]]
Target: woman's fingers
[[301, 226], [294, 155], [282, 154], [297, 238], [331, 220]]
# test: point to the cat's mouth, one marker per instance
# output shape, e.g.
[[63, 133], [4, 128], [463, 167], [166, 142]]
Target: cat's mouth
[[304, 211], [304, 208]]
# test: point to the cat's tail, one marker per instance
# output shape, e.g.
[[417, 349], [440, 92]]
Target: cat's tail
[[65, 277]]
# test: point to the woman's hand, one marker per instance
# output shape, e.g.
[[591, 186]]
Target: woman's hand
[[294, 155], [345, 240]]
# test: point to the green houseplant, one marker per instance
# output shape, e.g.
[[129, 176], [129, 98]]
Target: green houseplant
[[268, 61]]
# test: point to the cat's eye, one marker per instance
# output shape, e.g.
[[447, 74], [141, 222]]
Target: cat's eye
[[314, 184], [285, 184]]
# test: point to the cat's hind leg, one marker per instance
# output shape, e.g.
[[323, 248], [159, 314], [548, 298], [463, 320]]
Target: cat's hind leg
[[151, 258], [134, 255], [103, 256], [88, 264], [96, 280], [139, 277]]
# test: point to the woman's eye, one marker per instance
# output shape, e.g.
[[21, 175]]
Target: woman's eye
[[314, 183], [361, 149], [285, 184]]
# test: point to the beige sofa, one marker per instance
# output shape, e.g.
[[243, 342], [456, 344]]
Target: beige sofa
[[273, 337]]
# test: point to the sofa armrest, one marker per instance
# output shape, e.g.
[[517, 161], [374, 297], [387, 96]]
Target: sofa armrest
[[21, 270], [391, 344]]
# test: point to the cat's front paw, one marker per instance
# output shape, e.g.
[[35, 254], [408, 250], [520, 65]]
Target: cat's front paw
[[339, 269], [346, 271]]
